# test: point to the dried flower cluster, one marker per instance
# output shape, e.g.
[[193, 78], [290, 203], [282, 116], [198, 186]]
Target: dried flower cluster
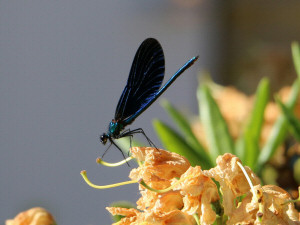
[[33, 216], [190, 193]]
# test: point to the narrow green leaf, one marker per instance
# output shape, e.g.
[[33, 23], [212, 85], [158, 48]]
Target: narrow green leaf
[[240, 147], [216, 130], [296, 57], [261, 100], [252, 131], [251, 148], [172, 141], [293, 122], [183, 125], [279, 130]]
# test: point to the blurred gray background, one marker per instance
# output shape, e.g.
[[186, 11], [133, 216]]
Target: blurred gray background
[[63, 66]]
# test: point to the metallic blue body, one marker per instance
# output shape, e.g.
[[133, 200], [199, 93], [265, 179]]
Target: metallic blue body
[[142, 89]]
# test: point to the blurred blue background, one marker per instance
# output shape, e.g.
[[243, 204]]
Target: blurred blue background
[[63, 66]]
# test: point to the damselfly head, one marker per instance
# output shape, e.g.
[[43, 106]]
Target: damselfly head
[[103, 138]]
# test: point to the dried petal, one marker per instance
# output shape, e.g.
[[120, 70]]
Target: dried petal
[[158, 169], [33, 216], [232, 180], [275, 201], [275, 209], [199, 192], [169, 201], [134, 217], [159, 166], [122, 211]]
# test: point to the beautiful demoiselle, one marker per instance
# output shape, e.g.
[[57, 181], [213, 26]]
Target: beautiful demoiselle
[[142, 89]]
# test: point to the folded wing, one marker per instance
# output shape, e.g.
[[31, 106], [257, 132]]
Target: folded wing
[[145, 79]]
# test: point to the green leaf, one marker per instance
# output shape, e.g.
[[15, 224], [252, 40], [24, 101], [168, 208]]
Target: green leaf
[[250, 147], [184, 126], [172, 141], [293, 122], [261, 100], [279, 130], [216, 130], [296, 57], [297, 171]]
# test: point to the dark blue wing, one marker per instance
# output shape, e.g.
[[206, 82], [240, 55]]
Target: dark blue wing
[[145, 79]]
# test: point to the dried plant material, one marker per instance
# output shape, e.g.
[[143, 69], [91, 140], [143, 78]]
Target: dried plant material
[[134, 217], [148, 199], [232, 180], [168, 202], [242, 214], [155, 202], [159, 166], [33, 216], [123, 211], [199, 192], [273, 202], [191, 191], [276, 201], [158, 169]]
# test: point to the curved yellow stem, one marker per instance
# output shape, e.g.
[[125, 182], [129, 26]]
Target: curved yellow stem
[[83, 174], [257, 196], [100, 161]]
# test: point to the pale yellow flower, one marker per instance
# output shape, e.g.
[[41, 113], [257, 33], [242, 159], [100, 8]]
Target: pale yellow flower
[[160, 170], [198, 192], [274, 205], [159, 166], [187, 193], [232, 180], [134, 217], [33, 216], [157, 171]]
